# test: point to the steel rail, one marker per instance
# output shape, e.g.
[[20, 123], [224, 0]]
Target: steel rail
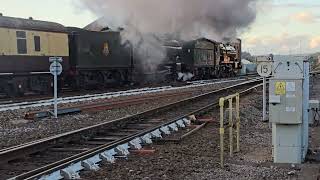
[[73, 99], [28, 148], [103, 105], [38, 173], [25, 148]]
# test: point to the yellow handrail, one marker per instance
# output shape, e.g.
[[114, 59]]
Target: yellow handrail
[[222, 101]]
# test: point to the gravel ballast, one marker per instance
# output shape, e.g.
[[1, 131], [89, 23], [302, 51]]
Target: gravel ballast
[[14, 130], [197, 157]]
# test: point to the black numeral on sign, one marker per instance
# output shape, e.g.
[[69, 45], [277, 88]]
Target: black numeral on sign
[[264, 69]]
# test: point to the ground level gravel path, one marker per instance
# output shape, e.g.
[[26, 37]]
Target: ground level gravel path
[[198, 156], [15, 130]]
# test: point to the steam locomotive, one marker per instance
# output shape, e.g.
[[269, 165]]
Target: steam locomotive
[[98, 58]]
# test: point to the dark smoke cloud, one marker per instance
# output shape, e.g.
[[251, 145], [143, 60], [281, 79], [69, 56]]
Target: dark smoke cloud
[[143, 20]]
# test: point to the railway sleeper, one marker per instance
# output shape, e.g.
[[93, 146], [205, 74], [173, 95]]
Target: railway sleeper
[[143, 136], [110, 155]]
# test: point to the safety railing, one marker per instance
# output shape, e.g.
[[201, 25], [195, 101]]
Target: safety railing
[[235, 98]]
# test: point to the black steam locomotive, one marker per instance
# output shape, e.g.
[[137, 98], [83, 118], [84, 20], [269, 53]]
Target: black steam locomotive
[[98, 58]]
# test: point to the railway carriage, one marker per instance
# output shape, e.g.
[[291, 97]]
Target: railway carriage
[[90, 59], [25, 48]]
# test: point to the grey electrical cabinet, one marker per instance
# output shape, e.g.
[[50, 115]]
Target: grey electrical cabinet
[[285, 102], [288, 92], [288, 143]]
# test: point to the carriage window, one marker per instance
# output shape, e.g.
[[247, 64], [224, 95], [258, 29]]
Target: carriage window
[[37, 45], [21, 42]]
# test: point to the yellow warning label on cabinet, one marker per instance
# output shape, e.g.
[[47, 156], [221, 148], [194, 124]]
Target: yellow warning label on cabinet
[[280, 88]]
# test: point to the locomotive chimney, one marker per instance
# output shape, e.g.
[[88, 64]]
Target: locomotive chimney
[[30, 18], [1, 14]]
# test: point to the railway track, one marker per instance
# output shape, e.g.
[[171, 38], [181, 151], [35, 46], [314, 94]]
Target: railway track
[[65, 155], [102, 105], [90, 97]]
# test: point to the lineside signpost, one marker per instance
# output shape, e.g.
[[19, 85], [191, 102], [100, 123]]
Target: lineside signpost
[[55, 70], [264, 69]]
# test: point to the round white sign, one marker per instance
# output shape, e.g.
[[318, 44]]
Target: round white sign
[[264, 69], [55, 68]]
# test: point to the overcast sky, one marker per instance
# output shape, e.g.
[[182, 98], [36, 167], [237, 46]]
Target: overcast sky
[[282, 26]]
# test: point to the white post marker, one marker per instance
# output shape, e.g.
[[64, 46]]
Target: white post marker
[[264, 69], [55, 70]]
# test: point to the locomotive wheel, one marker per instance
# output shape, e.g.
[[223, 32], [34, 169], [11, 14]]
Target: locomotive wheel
[[101, 80], [118, 78], [9, 90], [221, 74]]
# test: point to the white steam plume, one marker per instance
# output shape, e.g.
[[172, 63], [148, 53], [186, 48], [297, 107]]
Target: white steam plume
[[145, 20]]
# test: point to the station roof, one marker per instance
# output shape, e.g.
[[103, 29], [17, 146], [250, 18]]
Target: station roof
[[30, 24]]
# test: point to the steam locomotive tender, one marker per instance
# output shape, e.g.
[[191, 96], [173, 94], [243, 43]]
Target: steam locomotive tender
[[98, 59]]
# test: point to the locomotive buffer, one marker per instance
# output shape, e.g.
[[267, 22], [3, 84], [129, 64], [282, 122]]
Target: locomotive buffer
[[55, 70]]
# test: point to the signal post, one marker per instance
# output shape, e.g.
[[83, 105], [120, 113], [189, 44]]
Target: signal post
[[264, 69], [55, 70]]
